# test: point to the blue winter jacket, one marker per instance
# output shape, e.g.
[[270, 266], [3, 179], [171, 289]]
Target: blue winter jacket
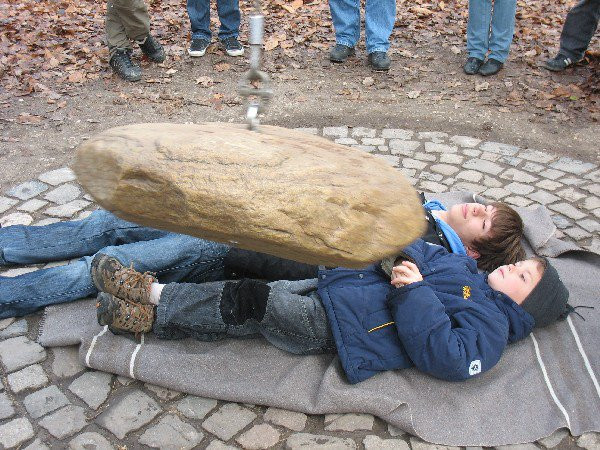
[[451, 325]]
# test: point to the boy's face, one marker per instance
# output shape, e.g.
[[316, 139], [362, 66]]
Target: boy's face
[[471, 221], [517, 280]]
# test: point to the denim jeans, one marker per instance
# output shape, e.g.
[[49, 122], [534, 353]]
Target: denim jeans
[[579, 28], [199, 14], [490, 32], [380, 16], [294, 318], [173, 257]]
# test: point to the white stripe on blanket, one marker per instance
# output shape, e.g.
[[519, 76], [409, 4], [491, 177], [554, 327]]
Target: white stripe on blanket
[[586, 361], [95, 338]]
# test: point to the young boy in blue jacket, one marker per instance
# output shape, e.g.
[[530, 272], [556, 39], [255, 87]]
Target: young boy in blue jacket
[[429, 308]]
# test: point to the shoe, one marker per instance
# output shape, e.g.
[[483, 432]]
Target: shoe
[[232, 46], [490, 67], [198, 47], [121, 63], [379, 61], [472, 65], [152, 49], [109, 275], [559, 63], [121, 315], [340, 53]]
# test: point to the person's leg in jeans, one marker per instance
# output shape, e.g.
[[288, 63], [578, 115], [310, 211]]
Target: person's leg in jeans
[[289, 314], [199, 14], [345, 15], [503, 28], [380, 16], [579, 28], [173, 258], [229, 16], [20, 244], [478, 28]]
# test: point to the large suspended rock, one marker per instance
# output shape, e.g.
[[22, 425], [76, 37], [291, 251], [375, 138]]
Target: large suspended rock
[[276, 191]]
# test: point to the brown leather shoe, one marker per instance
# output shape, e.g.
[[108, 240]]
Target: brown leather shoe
[[109, 275], [121, 315]]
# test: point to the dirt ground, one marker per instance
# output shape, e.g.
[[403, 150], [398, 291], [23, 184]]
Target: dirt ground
[[40, 131]]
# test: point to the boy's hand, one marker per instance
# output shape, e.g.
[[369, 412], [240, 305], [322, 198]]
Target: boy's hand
[[406, 273]]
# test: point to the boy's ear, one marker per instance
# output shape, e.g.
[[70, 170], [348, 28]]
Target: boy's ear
[[473, 253]]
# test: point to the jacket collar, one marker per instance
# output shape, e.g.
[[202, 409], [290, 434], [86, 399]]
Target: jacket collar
[[520, 321]]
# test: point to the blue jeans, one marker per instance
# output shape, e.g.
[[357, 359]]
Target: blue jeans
[[173, 257], [490, 32], [380, 16], [199, 14]]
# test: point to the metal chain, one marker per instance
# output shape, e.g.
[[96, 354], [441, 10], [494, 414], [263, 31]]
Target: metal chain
[[255, 85]]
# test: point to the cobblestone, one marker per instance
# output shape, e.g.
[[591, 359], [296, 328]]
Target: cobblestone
[[549, 185], [409, 163], [439, 148], [501, 149], [572, 166], [554, 439], [533, 167], [406, 148], [432, 186], [488, 156], [172, 433], [572, 181], [27, 190], [63, 194], [570, 195], [372, 442], [6, 204], [483, 166], [552, 174], [349, 422], [589, 441], [424, 156], [289, 419], [67, 209], [15, 432], [364, 132], [496, 193], [517, 201], [465, 141], [537, 156], [31, 377], [397, 133], [576, 233], [591, 203], [17, 218], [451, 159], [90, 441], [260, 436], [469, 175], [228, 421], [163, 393], [92, 387], [66, 362], [300, 441], [346, 141], [434, 136], [131, 413], [543, 197], [590, 225], [19, 352], [472, 153], [17, 328], [520, 188], [444, 169], [32, 205], [44, 401], [195, 407], [6, 406], [518, 175], [65, 422], [390, 159], [37, 445], [58, 176], [567, 210], [335, 131]]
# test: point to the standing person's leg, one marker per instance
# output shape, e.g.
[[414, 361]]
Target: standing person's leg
[[229, 16], [20, 244], [579, 28], [199, 15], [502, 30], [478, 33], [345, 15], [119, 45], [380, 16]]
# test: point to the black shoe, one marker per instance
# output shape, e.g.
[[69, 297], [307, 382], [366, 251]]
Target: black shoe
[[472, 65], [490, 67], [559, 63], [340, 53], [379, 61], [121, 63], [198, 47], [232, 46], [152, 49]]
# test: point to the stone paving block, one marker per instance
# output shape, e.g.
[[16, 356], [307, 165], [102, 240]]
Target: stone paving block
[[554, 439], [301, 441], [434, 136], [308, 130], [383, 148], [6, 406], [590, 225], [220, 445], [37, 445], [568, 210], [372, 442], [549, 185], [131, 413], [418, 444], [543, 197], [162, 393], [83, 215], [346, 141], [495, 193], [19, 352], [349, 422], [6, 204], [66, 362], [63, 194], [519, 188], [17, 218], [491, 182], [228, 420], [561, 222], [396, 133], [5, 323], [15, 432], [171, 433], [289, 419], [494, 157], [530, 446], [424, 175], [17, 328], [195, 407], [594, 176], [570, 195], [68, 209], [92, 387], [572, 181], [395, 432], [364, 132], [392, 160], [47, 221], [413, 164], [258, 437], [432, 186], [449, 181], [44, 401], [90, 441], [433, 147], [536, 156], [501, 149], [373, 141], [444, 169], [65, 422], [408, 172], [577, 233], [572, 166], [426, 156], [518, 175], [591, 203], [449, 158], [365, 148], [589, 441], [465, 141], [533, 167], [335, 131], [472, 153], [469, 187], [510, 160], [483, 166], [552, 174], [32, 205], [125, 381], [517, 201], [406, 148], [594, 246], [596, 212], [58, 176], [31, 377], [27, 190]]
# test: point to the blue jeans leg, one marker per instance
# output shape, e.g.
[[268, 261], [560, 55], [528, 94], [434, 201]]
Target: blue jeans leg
[[478, 28], [21, 244], [173, 257], [199, 14], [345, 15], [229, 16], [503, 28], [380, 16]]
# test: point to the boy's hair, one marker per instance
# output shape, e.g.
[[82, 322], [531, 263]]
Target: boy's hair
[[503, 243]]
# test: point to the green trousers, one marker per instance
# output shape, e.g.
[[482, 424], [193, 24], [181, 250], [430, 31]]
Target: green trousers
[[126, 21]]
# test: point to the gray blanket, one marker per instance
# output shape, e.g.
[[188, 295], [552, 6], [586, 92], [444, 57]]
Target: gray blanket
[[545, 382]]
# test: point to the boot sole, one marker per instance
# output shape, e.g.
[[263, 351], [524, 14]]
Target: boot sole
[[196, 53]]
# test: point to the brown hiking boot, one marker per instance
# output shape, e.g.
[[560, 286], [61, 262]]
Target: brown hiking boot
[[121, 315], [109, 275]]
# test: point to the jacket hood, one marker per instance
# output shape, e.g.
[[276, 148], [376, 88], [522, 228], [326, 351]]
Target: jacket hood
[[520, 322]]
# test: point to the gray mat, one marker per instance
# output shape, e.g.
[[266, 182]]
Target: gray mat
[[545, 382]]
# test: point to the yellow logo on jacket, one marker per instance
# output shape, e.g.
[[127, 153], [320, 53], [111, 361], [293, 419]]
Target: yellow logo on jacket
[[466, 292]]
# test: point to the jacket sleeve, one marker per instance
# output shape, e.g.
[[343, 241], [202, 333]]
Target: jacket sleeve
[[451, 348]]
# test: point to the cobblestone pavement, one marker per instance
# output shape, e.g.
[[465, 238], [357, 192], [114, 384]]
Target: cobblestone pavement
[[49, 400]]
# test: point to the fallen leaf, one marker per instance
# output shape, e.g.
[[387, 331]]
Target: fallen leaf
[[413, 94], [368, 81], [271, 43], [482, 86], [222, 67], [76, 77], [171, 71], [205, 81]]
